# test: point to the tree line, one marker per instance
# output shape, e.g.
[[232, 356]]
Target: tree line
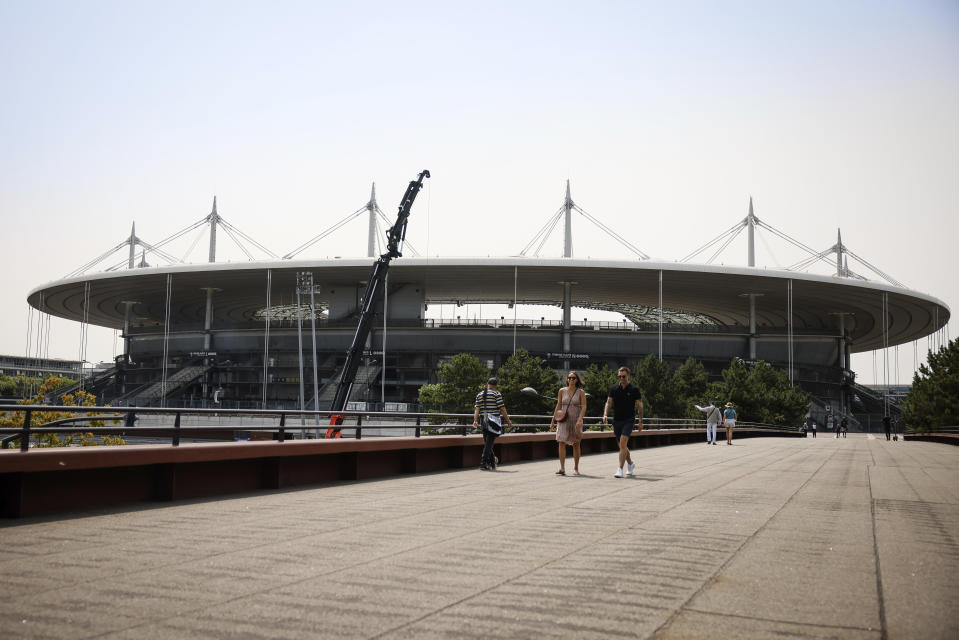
[[760, 392], [933, 401], [79, 398], [26, 386]]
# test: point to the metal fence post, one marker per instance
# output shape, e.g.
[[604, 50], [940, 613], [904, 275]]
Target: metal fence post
[[282, 435], [359, 422], [418, 418], [176, 430], [25, 438]]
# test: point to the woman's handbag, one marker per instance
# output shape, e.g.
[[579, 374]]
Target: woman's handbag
[[560, 414]]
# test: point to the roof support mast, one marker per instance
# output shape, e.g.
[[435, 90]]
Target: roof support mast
[[371, 239], [131, 263], [214, 217], [839, 268], [568, 235]]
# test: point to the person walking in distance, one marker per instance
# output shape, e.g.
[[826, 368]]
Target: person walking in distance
[[729, 421], [568, 419], [627, 404], [712, 419], [490, 403], [844, 425]]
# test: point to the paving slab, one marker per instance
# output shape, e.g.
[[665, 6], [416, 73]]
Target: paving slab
[[793, 538]]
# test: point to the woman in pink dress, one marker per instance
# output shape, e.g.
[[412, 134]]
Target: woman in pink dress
[[571, 400]]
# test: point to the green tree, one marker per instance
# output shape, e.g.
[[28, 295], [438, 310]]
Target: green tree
[[760, 393], [432, 395], [460, 379], [79, 398], [933, 400], [523, 370], [8, 386], [26, 386], [596, 383], [655, 380], [690, 381]]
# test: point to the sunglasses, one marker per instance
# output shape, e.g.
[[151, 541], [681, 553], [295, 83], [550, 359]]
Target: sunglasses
[[623, 375]]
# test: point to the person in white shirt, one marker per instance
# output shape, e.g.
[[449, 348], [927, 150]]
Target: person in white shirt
[[712, 419]]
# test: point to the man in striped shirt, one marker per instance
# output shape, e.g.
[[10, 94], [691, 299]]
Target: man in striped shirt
[[489, 402]]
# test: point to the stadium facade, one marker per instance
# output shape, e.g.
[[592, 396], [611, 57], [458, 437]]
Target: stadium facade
[[241, 334]]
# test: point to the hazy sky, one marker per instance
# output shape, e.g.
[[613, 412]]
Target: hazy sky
[[666, 117]]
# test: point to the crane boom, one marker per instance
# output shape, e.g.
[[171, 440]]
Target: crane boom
[[394, 247]]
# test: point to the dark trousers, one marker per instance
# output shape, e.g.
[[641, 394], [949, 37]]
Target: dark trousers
[[488, 440]]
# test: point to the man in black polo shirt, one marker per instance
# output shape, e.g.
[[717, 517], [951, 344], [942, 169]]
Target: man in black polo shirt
[[627, 406]]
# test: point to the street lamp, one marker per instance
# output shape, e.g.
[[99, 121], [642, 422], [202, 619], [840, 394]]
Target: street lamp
[[530, 391]]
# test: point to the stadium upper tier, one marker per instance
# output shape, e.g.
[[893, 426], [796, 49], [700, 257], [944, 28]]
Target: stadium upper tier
[[692, 294]]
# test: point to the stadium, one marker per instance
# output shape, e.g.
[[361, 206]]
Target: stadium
[[273, 333]]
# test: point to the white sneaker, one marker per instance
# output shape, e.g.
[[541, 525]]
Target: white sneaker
[[619, 473], [629, 468]]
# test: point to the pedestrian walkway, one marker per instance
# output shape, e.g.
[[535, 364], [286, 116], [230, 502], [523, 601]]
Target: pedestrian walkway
[[771, 537]]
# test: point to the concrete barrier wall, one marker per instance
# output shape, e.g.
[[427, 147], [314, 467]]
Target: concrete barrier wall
[[942, 438], [54, 480]]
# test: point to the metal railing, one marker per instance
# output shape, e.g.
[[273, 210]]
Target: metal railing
[[504, 322], [279, 422], [931, 430]]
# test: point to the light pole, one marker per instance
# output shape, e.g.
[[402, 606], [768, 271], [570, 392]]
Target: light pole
[[304, 284], [299, 352]]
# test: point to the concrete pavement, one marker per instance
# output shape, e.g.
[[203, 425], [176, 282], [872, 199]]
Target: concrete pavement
[[772, 537]]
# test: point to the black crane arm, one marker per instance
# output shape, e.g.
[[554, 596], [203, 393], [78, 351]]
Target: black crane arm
[[394, 246]]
